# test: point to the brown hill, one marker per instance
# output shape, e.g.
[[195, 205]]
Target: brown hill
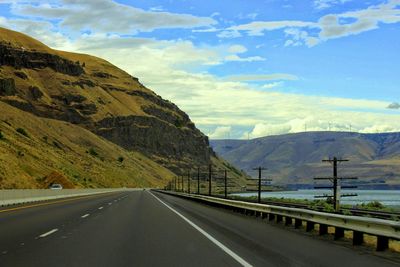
[[90, 93], [296, 158]]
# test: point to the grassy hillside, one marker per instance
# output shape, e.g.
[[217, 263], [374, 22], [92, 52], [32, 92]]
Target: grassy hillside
[[76, 102], [32, 148], [296, 158]]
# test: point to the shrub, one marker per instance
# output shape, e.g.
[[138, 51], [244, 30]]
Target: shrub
[[93, 152], [1, 135], [120, 159], [375, 205], [22, 131]]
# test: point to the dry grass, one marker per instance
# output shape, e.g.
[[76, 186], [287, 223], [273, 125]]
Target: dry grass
[[55, 145]]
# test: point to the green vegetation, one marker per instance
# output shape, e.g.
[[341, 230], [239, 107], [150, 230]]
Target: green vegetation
[[22, 131], [120, 159], [92, 152], [1, 135], [374, 205], [321, 205]]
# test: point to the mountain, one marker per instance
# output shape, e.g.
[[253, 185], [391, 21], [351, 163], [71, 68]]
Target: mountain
[[294, 159], [85, 104]]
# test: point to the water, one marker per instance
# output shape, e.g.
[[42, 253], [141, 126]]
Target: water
[[386, 197]]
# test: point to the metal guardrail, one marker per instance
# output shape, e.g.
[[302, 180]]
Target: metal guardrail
[[20, 196], [352, 211], [383, 229]]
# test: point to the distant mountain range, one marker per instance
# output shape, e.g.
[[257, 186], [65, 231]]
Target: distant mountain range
[[294, 159]]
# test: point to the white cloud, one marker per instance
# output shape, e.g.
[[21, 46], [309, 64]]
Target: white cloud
[[171, 68], [244, 59], [271, 85], [221, 132], [237, 49], [323, 4], [257, 28], [107, 16], [329, 26], [229, 34], [261, 77]]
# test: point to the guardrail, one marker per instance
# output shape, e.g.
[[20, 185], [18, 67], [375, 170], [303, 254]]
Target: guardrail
[[20, 196], [382, 229]]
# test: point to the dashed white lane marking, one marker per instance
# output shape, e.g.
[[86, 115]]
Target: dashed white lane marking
[[110, 203], [212, 239], [86, 215], [100, 208], [48, 233]]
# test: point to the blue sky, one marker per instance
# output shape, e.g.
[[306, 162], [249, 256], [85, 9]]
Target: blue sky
[[241, 68]]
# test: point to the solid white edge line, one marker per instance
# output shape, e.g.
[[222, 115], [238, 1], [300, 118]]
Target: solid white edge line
[[211, 238], [86, 215], [48, 233], [100, 208]]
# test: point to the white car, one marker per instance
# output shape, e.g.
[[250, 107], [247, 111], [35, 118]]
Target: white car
[[56, 186]]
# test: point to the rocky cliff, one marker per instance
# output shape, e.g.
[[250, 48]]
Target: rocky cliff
[[92, 93]]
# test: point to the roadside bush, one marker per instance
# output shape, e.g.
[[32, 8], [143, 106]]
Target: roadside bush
[[22, 131], [121, 159], [1, 135], [374, 205]]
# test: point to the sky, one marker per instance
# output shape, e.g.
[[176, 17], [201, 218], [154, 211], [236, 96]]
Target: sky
[[241, 68]]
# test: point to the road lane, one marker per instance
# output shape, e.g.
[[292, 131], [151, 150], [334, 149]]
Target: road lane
[[136, 229], [265, 244]]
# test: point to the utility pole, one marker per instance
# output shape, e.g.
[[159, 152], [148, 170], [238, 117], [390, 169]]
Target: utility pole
[[335, 184], [198, 180], [189, 181], [260, 169], [209, 179], [226, 183], [175, 184]]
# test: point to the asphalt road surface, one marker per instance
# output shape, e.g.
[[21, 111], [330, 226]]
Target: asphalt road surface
[[145, 228]]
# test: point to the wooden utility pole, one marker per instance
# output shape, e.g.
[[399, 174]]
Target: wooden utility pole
[[198, 180], [335, 184], [189, 181], [259, 169], [209, 179], [226, 183]]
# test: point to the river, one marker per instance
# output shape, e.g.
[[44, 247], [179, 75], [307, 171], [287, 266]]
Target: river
[[386, 197]]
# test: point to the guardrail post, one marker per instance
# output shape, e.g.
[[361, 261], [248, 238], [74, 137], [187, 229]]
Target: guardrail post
[[310, 226], [323, 229], [271, 217], [298, 223], [382, 243], [288, 221], [358, 238], [279, 218], [339, 233]]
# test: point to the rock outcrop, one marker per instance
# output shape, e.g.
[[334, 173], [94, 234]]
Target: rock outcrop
[[98, 96], [20, 57]]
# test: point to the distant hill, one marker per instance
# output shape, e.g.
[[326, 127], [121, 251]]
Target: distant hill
[[96, 113], [296, 158]]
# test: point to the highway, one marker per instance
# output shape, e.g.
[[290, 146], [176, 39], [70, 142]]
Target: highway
[[144, 228]]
